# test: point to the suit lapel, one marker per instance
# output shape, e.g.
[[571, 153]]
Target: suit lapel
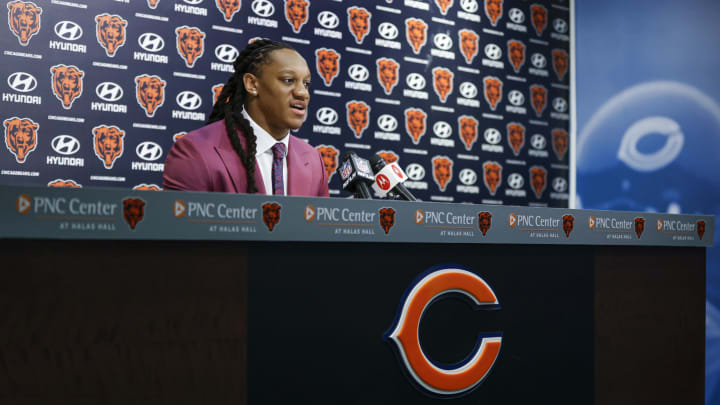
[[298, 182], [234, 167]]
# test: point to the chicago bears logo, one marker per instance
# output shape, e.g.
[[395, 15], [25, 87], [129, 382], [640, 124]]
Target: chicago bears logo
[[329, 156], [153, 3], [190, 44], [538, 95], [271, 214], [388, 156], [21, 137], [150, 93], [405, 334], [133, 211], [492, 176], [468, 130], [484, 222], [216, 90], [67, 84], [327, 62], [568, 224], [296, 13], [147, 187], [560, 63], [387, 73], [108, 143], [560, 142], [494, 10], [415, 123], [516, 54], [700, 229], [110, 32], [387, 219], [442, 171], [516, 136], [179, 135], [24, 20], [228, 8], [443, 82], [358, 116], [493, 91], [416, 33], [444, 5], [538, 180], [359, 23], [538, 18], [469, 40], [639, 226], [60, 183]]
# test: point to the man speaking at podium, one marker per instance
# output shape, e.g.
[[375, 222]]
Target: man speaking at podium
[[246, 146]]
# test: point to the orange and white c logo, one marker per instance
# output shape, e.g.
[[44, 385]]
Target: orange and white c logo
[[427, 288]]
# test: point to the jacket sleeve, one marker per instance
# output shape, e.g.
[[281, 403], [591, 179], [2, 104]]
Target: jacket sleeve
[[322, 190], [185, 168]]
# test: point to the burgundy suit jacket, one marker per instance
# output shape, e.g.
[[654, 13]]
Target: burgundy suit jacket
[[204, 160]]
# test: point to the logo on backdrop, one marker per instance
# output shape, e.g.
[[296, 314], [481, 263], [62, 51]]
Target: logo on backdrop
[[415, 123], [416, 33], [538, 180], [110, 32], [516, 136], [516, 54], [152, 3], [493, 91], [388, 156], [492, 176], [150, 93], [359, 22], [468, 130], [60, 183], [228, 8], [190, 44], [494, 10], [404, 334], [358, 116], [296, 13], [559, 142], [387, 219], [484, 222], [442, 82], [442, 171], [67, 83], [387, 73], [327, 62], [538, 96], [329, 156], [538, 17], [24, 20], [469, 41], [133, 211], [560, 63], [271, 214], [21, 137], [108, 143]]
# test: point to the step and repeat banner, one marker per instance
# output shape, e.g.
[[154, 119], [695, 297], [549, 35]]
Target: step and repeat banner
[[470, 97]]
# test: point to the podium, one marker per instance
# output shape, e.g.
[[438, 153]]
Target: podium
[[122, 296]]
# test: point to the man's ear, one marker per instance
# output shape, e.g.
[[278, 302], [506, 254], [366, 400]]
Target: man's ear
[[250, 81]]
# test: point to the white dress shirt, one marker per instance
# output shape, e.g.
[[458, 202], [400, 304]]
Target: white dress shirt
[[264, 154]]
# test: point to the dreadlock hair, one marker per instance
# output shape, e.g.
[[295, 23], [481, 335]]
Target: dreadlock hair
[[232, 100]]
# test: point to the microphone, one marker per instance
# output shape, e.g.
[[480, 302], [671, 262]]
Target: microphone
[[389, 178], [355, 174]]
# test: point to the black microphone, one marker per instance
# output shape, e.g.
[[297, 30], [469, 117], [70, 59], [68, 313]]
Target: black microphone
[[389, 178], [355, 174]]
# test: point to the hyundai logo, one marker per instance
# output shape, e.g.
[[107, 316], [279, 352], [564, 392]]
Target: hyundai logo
[[22, 82], [65, 144], [326, 116], [109, 91], [151, 42], [468, 177], [226, 53], [516, 15], [415, 171], [328, 19], [538, 141], [538, 60], [468, 90], [68, 30], [492, 136], [442, 41], [560, 25], [415, 81], [493, 51], [470, 6], [559, 184], [358, 72], [193, 2], [442, 129], [388, 30], [515, 181], [516, 97], [188, 100], [263, 8], [387, 123], [559, 104], [148, 151]]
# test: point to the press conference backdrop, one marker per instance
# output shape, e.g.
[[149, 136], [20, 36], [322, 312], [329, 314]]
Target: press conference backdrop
[[649, 120], [470, 97]]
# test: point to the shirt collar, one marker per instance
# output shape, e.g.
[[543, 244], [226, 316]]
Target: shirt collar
[[265, 141]]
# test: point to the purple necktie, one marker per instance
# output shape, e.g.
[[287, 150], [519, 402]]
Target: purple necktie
[[278, 151]]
